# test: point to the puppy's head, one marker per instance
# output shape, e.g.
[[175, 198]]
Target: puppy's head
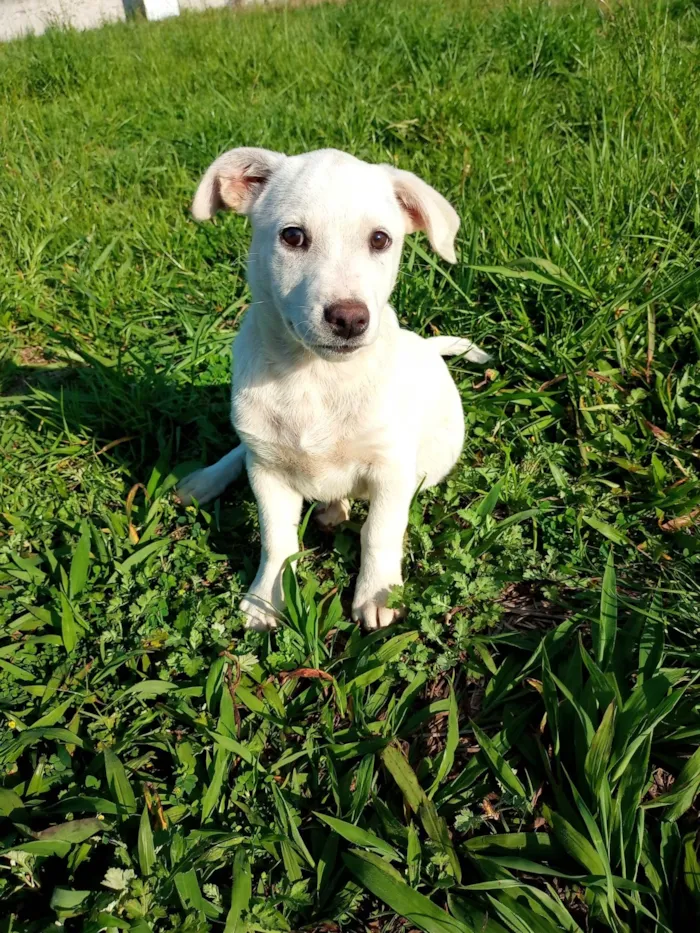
[[327, 236]]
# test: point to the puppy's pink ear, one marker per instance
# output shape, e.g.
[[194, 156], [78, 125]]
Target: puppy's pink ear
[[425, 209], [234, 181]]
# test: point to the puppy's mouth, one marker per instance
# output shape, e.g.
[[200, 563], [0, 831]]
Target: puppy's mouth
[[324, 349], [342, 349]]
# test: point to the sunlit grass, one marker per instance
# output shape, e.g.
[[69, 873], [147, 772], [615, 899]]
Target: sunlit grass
[[520, 753]]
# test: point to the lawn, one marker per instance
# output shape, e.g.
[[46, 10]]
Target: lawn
[[521, 754]]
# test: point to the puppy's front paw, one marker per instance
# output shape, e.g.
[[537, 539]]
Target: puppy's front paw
[[259, 612], [195, 486], [370, 605]]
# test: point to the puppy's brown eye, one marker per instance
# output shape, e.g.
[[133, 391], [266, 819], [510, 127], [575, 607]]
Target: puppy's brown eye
[[294, 237], [379, 241]]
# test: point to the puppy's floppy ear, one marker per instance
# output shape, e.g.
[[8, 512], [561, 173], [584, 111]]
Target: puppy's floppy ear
[[425, 209], [234, 181]]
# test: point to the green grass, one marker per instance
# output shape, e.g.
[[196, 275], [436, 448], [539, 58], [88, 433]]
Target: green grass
[[521, 753]]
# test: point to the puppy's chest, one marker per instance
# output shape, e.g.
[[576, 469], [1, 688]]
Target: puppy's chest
[[306, 435]]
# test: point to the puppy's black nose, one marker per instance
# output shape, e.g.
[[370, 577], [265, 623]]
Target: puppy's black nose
[[347, 318]]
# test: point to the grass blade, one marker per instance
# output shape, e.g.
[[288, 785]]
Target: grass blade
[[651, 642], [436, 828], [188, 890], [240, 893], [357, 836], [402, 899], [578, 847], [69, 628], [604, 630], [118, 783], [598, 756], [80, 562], [146, 849], [404, 775], [448, 755], [498, 764], [212, 796]]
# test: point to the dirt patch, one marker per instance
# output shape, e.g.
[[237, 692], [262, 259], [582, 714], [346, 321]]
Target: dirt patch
[[526, 608], [31, 366]]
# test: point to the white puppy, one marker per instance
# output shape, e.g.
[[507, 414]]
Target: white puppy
[[331, 398]]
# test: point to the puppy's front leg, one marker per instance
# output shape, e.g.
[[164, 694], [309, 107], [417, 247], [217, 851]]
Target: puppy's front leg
[[279, 509], [382, 547]]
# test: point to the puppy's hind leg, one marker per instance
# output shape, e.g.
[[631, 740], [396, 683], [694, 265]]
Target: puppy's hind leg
[[458, 346], [332, 514], [205, 485]]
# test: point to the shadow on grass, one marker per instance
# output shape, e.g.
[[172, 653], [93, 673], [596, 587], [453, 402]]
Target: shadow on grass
[[133, 406], [137, 414]]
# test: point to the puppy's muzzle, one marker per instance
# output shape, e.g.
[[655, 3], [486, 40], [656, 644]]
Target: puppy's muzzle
[[348, 318]]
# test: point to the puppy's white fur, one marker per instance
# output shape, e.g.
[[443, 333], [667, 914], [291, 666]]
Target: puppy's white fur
[[315, 422]]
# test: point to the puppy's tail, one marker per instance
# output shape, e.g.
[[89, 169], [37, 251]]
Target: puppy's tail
[[459, 346], [205, 485]]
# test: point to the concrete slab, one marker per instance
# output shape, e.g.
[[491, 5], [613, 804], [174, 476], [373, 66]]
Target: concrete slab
[[18, 17]]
